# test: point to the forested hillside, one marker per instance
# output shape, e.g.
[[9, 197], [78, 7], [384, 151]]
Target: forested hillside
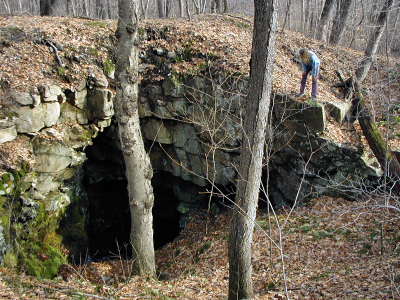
[[328, 248]]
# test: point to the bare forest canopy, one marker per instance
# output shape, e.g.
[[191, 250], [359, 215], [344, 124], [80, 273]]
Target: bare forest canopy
[[304, 16]]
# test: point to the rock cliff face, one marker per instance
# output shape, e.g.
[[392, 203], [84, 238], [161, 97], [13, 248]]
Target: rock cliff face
[[62, 185], [192, 130], [44, 137]]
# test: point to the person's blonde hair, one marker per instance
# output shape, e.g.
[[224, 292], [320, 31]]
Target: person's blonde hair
[[305, 55]]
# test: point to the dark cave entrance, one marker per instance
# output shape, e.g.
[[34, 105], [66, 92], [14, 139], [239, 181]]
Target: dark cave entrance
[[109, 219], [108, 215]]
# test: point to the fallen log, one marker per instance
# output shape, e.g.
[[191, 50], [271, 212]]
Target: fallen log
[[377, 143]]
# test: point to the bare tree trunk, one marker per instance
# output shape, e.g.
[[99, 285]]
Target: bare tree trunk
[[85, 8], [169, 8], [252, 150], [197, 5], [313, 18], [7, 6], [218, 6], [340, 20], [357, 29], [287, 14], [71, 8], [373, 42], [138, 167], [188, 10], [161, 9], [226, 6], [306, 17], [181, 5], [394, 30], [19, 7], [144, 4], [376, 141], [303, 15], [324, 20]]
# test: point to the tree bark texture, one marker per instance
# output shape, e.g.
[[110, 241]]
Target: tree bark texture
[[226, 6], [373, 42], [375, 140], [181, 14], [138, 167], [161, 8], [252, 150], [169, 8], [322, 30], [339, 22], [287, 14], [218, 6]]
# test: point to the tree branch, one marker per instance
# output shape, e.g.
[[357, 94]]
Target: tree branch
[[54, 48]]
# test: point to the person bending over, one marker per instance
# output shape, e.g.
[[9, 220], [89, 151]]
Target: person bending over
[[309, 63]]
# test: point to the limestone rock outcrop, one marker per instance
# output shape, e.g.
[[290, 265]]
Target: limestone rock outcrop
[[192, 129]]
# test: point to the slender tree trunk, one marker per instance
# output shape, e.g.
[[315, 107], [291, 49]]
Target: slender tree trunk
[[306, 17], [44, 7], [252, 150], [303, 15], [144, 4], [313, 18], [181, 7], [138, 167], [357, 29], [71, 8], [287, 14], [197, 5], [373, 42], [218, 6], [375, 140], [85, 8], [169, 8], [322, 30], [340, 21], [226, 6], [161, 9], [394, 30], [188, 10]]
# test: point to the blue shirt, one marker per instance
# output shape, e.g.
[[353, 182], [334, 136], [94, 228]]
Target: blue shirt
[[312, 63]]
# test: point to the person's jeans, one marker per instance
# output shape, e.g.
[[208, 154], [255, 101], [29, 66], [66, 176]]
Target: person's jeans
[[314, 89]]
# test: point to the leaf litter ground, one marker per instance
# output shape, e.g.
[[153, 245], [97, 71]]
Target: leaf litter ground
[[331, 247], [331, 250]]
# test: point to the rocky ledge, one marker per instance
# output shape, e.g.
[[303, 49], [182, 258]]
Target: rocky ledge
[[59, 142]]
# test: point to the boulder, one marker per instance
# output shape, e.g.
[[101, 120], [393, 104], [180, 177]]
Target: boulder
[[100, 104], [73, 113], [54, 156], [338, 111], [313, 115], [8, 131], [96, 78], [295, 114], [51, 93], [173, 88], [36, 118], [80, 99], [156, 131], [22, 98]]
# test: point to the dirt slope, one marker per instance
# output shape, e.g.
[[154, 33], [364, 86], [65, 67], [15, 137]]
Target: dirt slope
[[331, 248]]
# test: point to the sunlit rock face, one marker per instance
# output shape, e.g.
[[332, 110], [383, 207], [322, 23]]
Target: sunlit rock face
[[73, 172]]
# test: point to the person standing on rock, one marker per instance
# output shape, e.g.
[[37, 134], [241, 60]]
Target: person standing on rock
[[309, 63]]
